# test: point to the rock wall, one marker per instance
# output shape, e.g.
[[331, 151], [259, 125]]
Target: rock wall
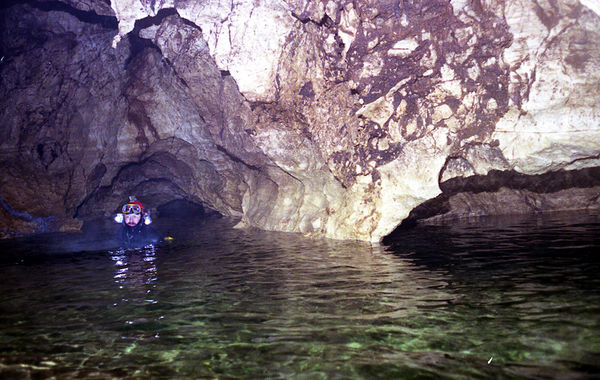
[[329, 118]]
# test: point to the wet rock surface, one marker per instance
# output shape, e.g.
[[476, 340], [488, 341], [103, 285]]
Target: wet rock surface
[[507, 192], [330, 118]]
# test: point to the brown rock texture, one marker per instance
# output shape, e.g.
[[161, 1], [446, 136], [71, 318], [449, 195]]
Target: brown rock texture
[[329, 118]]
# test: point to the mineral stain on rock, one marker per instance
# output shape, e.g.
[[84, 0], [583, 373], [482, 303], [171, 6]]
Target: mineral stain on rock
[[328, 118]]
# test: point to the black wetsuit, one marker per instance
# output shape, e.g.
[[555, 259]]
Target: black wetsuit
[[137, 236]]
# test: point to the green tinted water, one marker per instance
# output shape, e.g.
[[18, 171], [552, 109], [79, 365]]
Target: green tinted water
[[500, 298]]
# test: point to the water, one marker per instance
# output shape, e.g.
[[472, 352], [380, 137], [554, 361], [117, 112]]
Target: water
[[494, 298]]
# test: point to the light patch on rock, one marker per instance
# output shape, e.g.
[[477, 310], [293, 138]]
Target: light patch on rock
[[550, 131], [248, 43], [372, 66], [453, 124], [317, 224], [528, 32], [245, 39], [438, 95], [403, 48], [550, 140], [451, 85], [447, 73], [593, 5], [456, 167], [430, 61], [330, 44], [490, 61], [394, 126], [466, 34], [404, 20], [468, 101], [348, 26], [380, 110], [459, 5], [411, 127], [281, 145], [331, 9], [473, 72], [382, 144], [149, 32], [441, 112], [128, 11], [483, 158], [372, 44], [410, 180], [583, 163], [394, 130]]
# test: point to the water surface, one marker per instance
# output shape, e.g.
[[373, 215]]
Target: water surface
[[496, 297]]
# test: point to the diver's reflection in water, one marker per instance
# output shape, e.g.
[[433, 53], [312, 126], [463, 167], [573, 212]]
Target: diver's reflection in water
[[136, 269], [137, 275]]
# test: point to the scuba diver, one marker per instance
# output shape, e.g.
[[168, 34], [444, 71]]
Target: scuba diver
[[135, 231]]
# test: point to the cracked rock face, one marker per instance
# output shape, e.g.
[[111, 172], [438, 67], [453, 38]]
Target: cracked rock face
[[329, 118]]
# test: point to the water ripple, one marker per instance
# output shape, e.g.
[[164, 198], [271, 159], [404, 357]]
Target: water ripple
[[500, 299]]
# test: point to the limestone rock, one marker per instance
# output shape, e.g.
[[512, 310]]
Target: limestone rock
[[507, 201], [329, 118], [508, 192], [476, 159], [554, 59], [243, 37], [53, 68]]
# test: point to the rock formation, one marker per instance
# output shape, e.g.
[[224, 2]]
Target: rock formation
[[330, 118]]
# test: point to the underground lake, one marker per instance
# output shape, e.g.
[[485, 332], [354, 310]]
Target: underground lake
[[496, 297]]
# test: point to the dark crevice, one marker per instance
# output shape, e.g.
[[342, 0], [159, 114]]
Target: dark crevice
[[184, 208], [113, 181], [495, 180], [137, 45], [325, 21], [550, 182], [155, 20], [303, 20], [90, 17], [158, 19], [190, 24], [180, 208]]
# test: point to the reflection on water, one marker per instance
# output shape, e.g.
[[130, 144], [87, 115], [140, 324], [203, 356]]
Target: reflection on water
[[135, 269], [495, 298]]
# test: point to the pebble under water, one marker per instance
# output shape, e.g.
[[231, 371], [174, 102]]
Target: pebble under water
[[493, 298]]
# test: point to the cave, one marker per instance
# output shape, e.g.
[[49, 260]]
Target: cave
[[324, 189], [338, 120]]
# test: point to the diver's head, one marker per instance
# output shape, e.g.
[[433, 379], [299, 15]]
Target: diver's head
[[133, 212]]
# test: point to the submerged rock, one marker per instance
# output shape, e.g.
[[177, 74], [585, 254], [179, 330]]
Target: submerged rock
[[329, 118]]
